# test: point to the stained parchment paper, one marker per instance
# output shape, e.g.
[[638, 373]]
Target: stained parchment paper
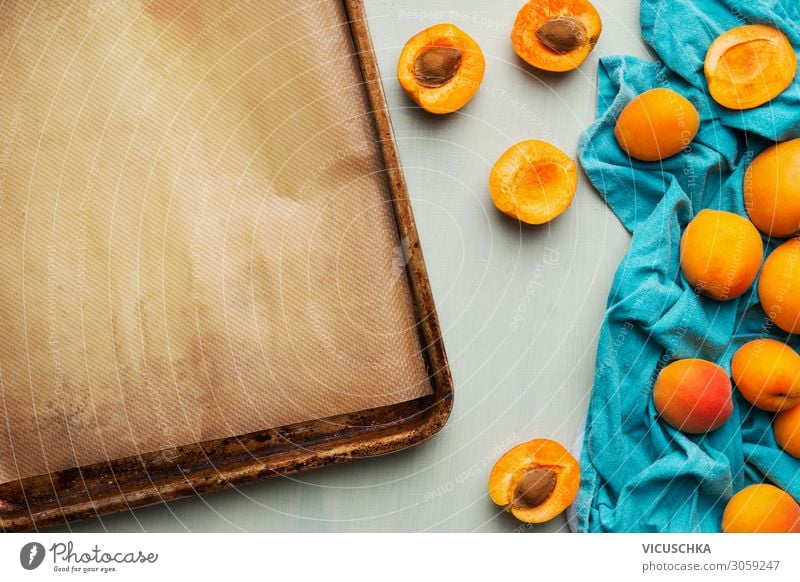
[[196, 239]]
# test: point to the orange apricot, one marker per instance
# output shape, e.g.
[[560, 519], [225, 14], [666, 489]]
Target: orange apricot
[[441, 68], [556, 35], [720, 254], [772, 190], [693, 396], [786, 429], [657, 124], [749, 65], [535, 481], [533, 182], [761, 508], [779, 286], [767, 373]]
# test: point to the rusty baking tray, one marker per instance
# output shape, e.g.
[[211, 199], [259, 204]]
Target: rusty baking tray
[[97, 489]]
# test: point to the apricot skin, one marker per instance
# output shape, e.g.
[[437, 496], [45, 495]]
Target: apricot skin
[[456, 93], [767, 374], [693, 396], [534, 14], [748, 66], [657, 124], [772, 190], [536, 454], [721, 253], [761, 508], [786, 429], [779, 286], [533, 182]]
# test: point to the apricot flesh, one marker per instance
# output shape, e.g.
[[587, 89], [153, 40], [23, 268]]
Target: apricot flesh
[[657, 124], [441, 68], [693, 396], [557, 35], [721, 254], [535, 481], [761, 508], [767, 374], [786, 430], [779, 286], [749, 65], [772, 190], [533, 182]]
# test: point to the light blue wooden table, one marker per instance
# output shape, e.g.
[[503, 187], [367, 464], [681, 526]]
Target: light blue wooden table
[[520, 307]]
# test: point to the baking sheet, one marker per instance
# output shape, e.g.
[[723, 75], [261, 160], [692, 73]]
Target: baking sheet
[[197, 240]]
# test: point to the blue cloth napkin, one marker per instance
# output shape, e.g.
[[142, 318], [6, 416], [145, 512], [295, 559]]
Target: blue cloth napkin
[[639, 474]]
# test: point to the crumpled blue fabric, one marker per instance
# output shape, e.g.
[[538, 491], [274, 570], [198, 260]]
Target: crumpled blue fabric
[[639, 474]]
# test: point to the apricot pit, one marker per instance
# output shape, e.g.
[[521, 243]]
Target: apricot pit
[[436, 66]]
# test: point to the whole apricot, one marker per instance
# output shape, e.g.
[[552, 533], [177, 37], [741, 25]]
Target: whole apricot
[[779, 286], [772, 190], [441, 68], [786, 429], [557, 35], [535, 481], [767, 373], [693, 396], [749, 65], [721, 253], [533, 182], [657, 124], [761, 508]]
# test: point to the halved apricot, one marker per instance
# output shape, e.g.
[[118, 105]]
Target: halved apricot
[[533, 182], [556, 35], [772, 190], [441, 68], [749, 65], [657, 124], [535, 481]]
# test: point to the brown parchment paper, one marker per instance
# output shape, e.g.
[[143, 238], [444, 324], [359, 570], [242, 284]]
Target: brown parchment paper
[[195, 236]]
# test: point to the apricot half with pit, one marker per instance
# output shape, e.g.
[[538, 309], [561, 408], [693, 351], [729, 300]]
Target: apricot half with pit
[[761, 508], [767, 374], [441, 68], [720, 254], [556, 35], [535, 481], [779, 286], [772, 190], [749, 65], [657, 124], [693, 395], [533, 182]]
